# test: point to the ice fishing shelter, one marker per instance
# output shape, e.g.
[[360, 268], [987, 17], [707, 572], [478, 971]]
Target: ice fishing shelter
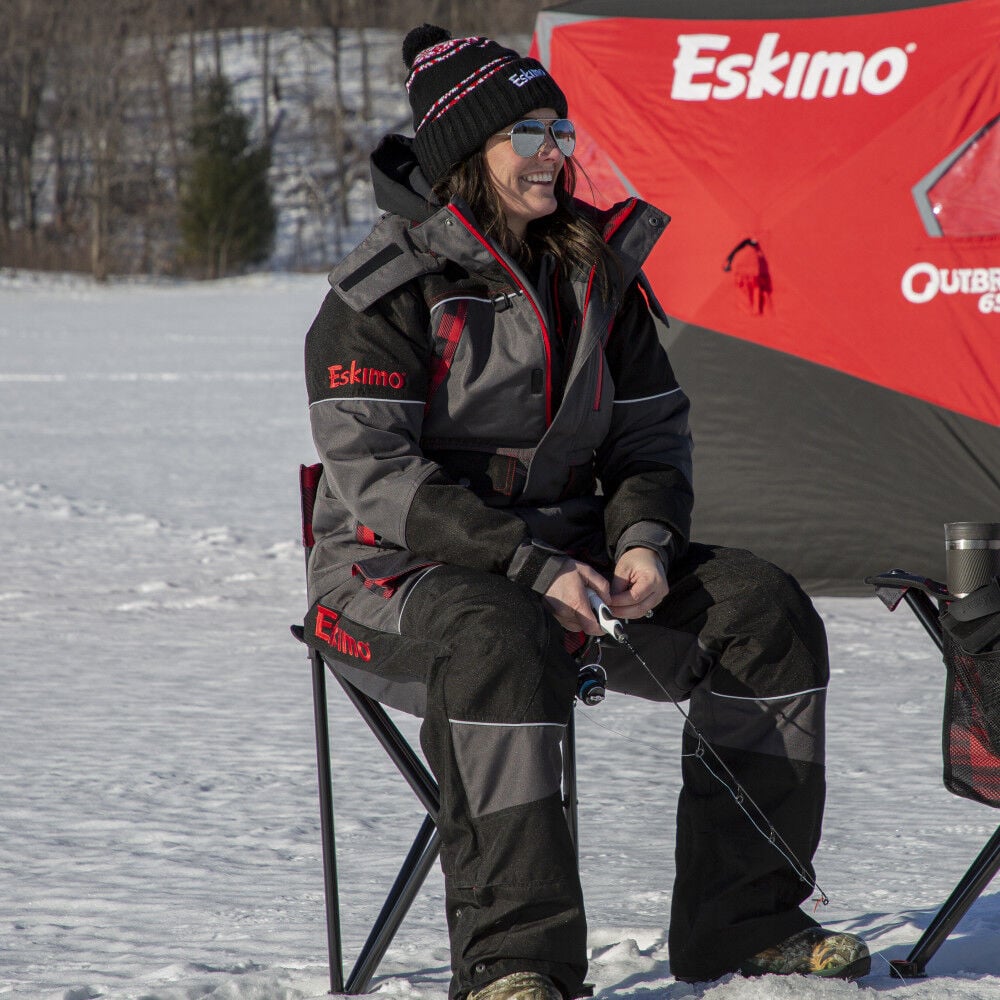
[[832, 267]]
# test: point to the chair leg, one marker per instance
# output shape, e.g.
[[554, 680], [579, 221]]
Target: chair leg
[[423, 853], [399, 750], [412, 875], [979, 875], [329, 848]]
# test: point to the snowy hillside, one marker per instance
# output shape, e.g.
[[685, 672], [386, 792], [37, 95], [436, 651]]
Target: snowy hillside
[[158, 821]]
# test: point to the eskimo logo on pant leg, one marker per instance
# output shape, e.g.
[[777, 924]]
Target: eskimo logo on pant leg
[[330, 632]]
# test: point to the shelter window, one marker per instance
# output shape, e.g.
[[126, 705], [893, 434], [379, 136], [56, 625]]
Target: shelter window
[[961, 195]]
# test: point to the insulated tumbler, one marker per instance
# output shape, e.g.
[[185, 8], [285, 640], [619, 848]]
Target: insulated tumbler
[[972, 555]]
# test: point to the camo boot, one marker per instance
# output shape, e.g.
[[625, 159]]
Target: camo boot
[[519, 986], [815, 951]]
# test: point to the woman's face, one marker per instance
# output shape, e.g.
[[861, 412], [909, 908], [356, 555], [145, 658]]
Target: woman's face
[[526, 185]]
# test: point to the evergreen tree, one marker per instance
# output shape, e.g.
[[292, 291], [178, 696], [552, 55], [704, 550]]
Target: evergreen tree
[[227, 217]]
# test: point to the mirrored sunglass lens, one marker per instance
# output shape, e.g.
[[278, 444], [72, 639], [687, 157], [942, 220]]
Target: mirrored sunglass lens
[[564, 133], [527, 137]]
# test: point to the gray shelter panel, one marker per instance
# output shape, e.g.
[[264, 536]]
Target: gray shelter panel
[[831, 477]]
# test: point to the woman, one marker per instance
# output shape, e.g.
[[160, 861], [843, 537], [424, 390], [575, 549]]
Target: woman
[[501, 431]]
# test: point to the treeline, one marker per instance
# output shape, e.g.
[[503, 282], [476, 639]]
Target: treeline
[[118, 125]]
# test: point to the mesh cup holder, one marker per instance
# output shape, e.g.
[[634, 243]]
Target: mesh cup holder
[[972, 724]]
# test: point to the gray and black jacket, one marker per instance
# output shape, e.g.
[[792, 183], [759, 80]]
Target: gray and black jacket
[[467, 413]]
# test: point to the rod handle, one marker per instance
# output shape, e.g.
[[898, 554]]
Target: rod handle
[[605, 617]]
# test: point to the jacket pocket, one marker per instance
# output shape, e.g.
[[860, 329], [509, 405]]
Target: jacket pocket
[[383, 574]]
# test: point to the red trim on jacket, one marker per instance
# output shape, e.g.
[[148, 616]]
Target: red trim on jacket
[[386, 586], [450, 331], [541, 321], [365, 535], [616, 220]]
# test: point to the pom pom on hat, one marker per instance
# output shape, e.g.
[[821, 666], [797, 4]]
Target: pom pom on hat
[[422, 38], [463, 90]]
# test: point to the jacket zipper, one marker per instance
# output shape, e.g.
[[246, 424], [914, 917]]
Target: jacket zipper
[[538, 313]]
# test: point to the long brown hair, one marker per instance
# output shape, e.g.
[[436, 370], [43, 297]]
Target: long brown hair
[[567, 234]]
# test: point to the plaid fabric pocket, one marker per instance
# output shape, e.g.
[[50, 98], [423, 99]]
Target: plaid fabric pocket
[[972, 724]]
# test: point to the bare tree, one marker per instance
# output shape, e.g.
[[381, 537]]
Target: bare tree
[[114, 121], [334, 16], [29, 29], [164, 39]]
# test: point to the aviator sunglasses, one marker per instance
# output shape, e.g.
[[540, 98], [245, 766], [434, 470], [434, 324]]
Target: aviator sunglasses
[[528, 136]]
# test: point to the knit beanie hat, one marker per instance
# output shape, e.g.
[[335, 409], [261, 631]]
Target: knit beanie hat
[[463, 90]]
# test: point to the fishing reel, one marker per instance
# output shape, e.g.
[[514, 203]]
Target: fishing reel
[[592, 680], [591, 684]]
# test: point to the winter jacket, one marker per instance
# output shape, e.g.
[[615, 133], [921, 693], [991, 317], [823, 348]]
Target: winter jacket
[[466, 414]]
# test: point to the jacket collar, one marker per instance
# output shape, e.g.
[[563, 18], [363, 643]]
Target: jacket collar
[[418, 236]]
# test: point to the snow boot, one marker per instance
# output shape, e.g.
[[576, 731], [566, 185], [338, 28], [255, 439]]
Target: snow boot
[[815, 951], [519, 986]]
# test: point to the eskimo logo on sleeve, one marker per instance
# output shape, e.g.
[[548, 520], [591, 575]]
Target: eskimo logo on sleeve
[[354, 374]]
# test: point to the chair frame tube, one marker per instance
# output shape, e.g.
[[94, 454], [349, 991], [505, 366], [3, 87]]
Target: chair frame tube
[[323, 770]]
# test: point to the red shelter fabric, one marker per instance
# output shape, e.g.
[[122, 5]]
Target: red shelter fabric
[[809, 136]]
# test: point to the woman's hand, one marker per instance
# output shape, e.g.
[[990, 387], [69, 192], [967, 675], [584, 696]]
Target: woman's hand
[[639, 584], [567, 597]]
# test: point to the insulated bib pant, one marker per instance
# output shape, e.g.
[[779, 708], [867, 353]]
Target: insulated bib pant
[[736, 636]]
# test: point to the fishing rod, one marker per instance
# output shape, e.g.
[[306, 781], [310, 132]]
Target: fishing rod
[[614, 628]]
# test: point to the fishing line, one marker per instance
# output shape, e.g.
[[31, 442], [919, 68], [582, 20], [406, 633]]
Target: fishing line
[[614, 628]]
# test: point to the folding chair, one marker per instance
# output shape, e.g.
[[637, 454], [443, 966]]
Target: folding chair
[[426, 845], [928, 599]]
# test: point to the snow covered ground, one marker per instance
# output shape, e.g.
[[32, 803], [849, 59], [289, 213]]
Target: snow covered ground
[[158, 822]]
